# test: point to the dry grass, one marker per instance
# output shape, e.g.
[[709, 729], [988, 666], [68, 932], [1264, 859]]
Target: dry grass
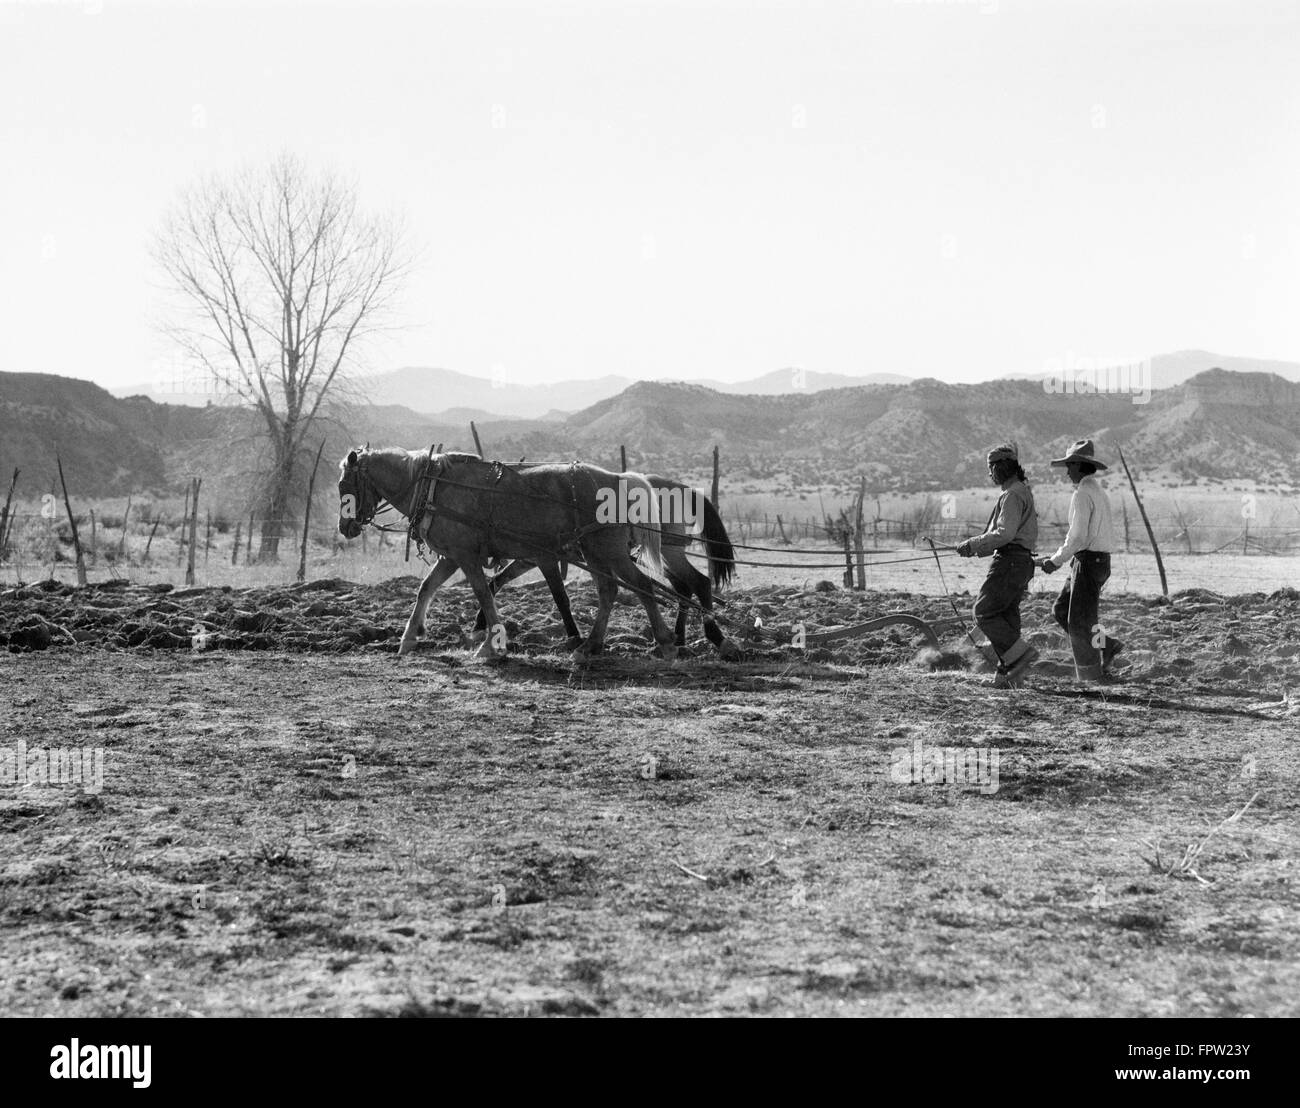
[[1184, 866]]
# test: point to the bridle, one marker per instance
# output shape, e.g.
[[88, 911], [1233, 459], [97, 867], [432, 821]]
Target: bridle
[[365, 517]]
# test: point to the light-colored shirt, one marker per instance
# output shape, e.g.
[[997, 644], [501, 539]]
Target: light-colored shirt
[[1013, 520], [1090, 525]]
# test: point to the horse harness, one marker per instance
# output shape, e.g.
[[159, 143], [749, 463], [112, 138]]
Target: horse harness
[[424, 509]]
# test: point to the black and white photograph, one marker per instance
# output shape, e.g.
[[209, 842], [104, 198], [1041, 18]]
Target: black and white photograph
[[651, 509]]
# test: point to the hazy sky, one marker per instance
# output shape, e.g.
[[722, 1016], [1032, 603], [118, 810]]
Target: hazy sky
[[957, 189]]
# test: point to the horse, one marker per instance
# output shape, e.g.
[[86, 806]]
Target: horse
[[470, 511], [686, 516]]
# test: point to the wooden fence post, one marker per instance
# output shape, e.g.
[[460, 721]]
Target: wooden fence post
[[1125, 509], [6, 521], [622, 458], [207, 536], [194, 526], [76, 539], [185, 521], [239, 530], [859, 536], [477, 445], [306, 519], [148, 544], [94, 537], [781, 528], [1160, 565], [248, 550], [714, 497], [126, 520]]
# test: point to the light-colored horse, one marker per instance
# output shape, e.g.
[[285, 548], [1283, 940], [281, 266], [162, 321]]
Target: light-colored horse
[[471, 512]]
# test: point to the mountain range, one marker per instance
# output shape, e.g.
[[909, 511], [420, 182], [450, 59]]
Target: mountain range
[[454, 397], [925, 434]]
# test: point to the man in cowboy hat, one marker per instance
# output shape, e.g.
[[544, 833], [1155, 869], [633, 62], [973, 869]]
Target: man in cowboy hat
[[1009, 536], [1087, 547]]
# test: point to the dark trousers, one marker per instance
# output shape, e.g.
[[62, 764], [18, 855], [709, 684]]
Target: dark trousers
[[1076, 608], [997, 608]]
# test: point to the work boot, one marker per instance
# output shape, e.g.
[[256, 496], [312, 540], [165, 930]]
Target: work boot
[[1011, 676], [1108, 652]]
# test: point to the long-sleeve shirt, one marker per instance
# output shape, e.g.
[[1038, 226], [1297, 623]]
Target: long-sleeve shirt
[[1090, 523], [1013, 520]]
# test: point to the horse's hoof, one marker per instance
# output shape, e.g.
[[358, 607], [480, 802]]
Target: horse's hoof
[[488, 653], [573, 642], [587, 649], [405, 647], [667, 653]]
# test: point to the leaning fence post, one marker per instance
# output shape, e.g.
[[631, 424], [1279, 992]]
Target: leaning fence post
[[1160, 565], [157, 520], [126, 519], [306, 519], [76, 539], [478, 446]]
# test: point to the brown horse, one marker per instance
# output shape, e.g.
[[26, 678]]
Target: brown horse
[[686, 516], [471, 512]]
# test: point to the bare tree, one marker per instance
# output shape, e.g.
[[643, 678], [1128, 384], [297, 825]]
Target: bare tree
[[280, 277]]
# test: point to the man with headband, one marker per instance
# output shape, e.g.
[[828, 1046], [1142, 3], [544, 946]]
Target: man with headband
[[1010, 535]]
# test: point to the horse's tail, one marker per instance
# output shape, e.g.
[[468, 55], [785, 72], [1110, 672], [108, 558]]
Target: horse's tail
[[646, 534], [722, 564]]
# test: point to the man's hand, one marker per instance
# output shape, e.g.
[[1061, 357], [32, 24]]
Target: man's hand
[[964, 549], [1048, 566]]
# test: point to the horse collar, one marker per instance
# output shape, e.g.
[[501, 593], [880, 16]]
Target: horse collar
[[422, 508]]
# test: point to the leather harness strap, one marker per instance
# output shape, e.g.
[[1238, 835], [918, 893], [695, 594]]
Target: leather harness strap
[[422, 507]]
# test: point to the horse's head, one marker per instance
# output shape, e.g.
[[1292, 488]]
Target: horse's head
[[358, 499]]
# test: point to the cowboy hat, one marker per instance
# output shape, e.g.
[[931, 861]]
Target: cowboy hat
[[1081, 451]]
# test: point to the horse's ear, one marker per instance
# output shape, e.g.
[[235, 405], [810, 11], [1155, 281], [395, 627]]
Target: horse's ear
[[367, 446], [352, 457]]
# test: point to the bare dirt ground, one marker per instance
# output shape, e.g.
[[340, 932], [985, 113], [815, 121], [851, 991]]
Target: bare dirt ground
[[294, 823]]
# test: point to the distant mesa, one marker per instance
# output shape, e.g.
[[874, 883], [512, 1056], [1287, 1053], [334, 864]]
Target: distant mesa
[[1229, 420]]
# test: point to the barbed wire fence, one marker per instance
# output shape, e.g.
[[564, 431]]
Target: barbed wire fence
[[1172, 533], [146, 546]]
